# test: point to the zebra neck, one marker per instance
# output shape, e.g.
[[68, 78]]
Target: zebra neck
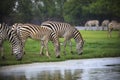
[[13, 37], [77, 36]]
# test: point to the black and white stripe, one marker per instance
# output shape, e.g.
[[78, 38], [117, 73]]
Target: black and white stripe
[[66, 31], [36, 32], [8, 34]]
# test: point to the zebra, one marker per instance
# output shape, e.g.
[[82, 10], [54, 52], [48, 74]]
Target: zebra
[[8, 34], [91, 23], [105, 24], [66, 31], [113, 25], [36, 32]]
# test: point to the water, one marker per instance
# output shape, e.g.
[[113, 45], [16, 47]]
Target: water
[[85, 69], [92, 28]]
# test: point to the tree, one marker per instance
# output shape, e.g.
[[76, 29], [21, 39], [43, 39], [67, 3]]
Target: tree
[[24, 10], [6, 7], [77, 12], [105, 9], [73, 11]]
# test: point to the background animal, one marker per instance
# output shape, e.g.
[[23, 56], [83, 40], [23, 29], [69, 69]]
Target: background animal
[[91, 23], [105, 24]]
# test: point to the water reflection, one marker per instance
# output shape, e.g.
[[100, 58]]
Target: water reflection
[[76, 71], [12, 77], [44, 75]]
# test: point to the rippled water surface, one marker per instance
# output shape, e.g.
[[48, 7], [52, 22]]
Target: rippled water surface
[[85, 69]]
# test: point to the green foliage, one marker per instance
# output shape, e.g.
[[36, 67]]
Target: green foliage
[[76, 12], [6, 7], [73, 11], [24, 10], [105, 7], [97, 45], [81, 11], [38, 10]]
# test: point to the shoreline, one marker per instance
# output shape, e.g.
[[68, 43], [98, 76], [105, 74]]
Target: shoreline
[[46, 63]]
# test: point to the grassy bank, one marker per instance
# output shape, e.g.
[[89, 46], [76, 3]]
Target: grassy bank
[[97, 45]]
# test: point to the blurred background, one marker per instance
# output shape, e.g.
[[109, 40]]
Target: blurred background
[[75, 12]]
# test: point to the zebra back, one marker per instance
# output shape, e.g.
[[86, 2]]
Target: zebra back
[[33, 31], [56, 26], [62, 28]]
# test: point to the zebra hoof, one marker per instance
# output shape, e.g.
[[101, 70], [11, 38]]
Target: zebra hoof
[[71, 52], [42, 54], [49, 54], [81, 53], [24, 53], [11, 53], [49, 57], [58, 56]]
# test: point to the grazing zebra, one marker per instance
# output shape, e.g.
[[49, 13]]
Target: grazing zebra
[[105, 24], [113, 25], [91, 23], [66, 31], [36, 32], [7, 34]]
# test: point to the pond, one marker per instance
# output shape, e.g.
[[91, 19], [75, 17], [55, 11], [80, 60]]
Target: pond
[[82, 69]]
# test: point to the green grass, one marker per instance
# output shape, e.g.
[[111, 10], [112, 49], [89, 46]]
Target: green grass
[[97, 45]]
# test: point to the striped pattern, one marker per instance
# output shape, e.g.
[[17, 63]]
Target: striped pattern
[[10, 35], [66, 31], [36, 32]]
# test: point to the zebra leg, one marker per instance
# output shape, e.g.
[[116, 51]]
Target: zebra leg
[[57, 49], [89, 27], [67, 38], [2, 54], [109, 33], [12, 50], [85, 28], [97, 27], [42, 48], [64, 44], [70, 46], [23, 44], [102, 28], [46, 47]]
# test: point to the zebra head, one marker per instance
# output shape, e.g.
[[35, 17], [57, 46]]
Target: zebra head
[[79, 47], [18, 52]]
